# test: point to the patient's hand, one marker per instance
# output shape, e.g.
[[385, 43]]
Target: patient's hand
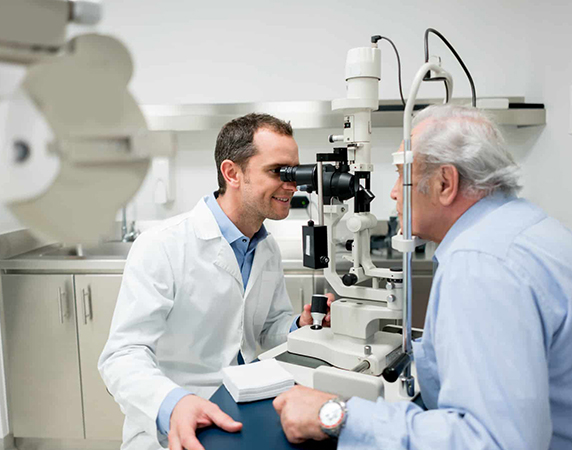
[[299, 413]]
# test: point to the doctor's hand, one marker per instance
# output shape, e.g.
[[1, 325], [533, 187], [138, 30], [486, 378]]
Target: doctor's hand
[[298, 410], [191, 413], [306, 318]]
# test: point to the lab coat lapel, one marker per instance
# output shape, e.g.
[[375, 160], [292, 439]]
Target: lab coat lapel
[[206, 228], [226, 260], [261, 256]]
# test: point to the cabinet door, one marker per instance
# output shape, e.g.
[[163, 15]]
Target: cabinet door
[[96, 296], [300, 287], [42, 356]]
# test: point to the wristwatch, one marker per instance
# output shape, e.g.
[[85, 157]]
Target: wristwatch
[[333, 415]]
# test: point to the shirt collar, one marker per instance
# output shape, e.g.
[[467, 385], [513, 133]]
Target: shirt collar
[[471, 216], [259, 236], [228, 229]]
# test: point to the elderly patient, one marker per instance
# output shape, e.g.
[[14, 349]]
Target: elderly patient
[[495, 362]]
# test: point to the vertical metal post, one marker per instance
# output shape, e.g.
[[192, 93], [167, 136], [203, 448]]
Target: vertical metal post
[[407, 382], [407, 387], [319, 168], [407, 234]]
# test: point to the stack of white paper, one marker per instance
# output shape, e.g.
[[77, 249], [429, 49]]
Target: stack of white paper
[[256, 381]]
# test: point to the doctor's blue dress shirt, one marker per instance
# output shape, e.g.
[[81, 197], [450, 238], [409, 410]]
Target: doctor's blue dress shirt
[[243, 248], [495, 361]]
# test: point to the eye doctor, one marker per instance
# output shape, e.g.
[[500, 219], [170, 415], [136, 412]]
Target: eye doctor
[[200, 291]]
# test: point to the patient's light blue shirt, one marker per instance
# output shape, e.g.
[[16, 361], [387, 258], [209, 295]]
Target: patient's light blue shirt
[[243, 249], [495, 362]]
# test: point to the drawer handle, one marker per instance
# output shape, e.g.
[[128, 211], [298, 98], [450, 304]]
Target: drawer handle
[[61, 296], [86, 304]]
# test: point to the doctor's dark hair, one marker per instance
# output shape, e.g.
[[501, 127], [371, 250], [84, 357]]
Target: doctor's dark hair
[[235, 140], [468, 139]]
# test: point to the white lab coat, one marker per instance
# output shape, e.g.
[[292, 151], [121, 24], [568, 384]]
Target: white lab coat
[[182, 315]]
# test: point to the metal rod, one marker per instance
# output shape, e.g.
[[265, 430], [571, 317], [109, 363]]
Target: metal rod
[[362, 366], [407, 383], [407, 387], [407, 234], [407, 285], [319, 168]]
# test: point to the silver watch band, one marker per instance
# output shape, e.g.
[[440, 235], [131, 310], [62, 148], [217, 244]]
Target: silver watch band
[[335, 431]]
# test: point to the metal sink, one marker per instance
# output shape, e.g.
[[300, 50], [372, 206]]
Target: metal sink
[[106, 250]]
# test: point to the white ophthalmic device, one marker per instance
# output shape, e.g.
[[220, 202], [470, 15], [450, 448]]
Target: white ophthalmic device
[[355, 349]]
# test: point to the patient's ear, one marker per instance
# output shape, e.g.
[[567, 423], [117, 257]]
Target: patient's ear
[[448, 184]]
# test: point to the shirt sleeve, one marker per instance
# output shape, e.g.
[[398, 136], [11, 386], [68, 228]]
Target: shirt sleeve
[[491, 360], [167, 407], [295, 326]]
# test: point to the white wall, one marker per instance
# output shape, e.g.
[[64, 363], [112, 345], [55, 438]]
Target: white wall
[[7, 221], [262, 51], [258, 50], [222, 52], [254, 50], [548, 167]]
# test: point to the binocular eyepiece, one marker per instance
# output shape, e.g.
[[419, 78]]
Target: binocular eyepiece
[[288, 173], [338, 183]]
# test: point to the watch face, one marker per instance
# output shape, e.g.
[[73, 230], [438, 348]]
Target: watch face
[[331, 414]]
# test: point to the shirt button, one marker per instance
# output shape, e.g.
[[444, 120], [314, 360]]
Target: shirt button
[[244, 240]]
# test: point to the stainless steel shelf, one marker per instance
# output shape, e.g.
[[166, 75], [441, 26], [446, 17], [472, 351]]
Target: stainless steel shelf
[[315, 114]]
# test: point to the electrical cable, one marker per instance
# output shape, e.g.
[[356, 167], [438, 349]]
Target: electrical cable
[[374, 40], [473, 90]]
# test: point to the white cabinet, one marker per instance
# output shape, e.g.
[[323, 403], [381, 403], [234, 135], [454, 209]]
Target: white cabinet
[[300, 287], [55, 329], [44, 387], [96, 296]]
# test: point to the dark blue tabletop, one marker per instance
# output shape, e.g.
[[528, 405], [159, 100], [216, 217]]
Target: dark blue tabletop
[[261, 427]]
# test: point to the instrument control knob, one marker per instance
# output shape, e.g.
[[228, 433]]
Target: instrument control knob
[[324, 259], [349, 279]]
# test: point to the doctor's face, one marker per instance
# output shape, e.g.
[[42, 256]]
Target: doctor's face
[[264, 195]]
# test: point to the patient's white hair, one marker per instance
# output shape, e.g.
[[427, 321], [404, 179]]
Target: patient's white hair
[[469, 140]]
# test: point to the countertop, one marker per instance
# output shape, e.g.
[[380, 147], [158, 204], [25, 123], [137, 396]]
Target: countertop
[[111, 257]]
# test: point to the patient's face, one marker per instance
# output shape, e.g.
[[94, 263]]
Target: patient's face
[[426, 208]]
